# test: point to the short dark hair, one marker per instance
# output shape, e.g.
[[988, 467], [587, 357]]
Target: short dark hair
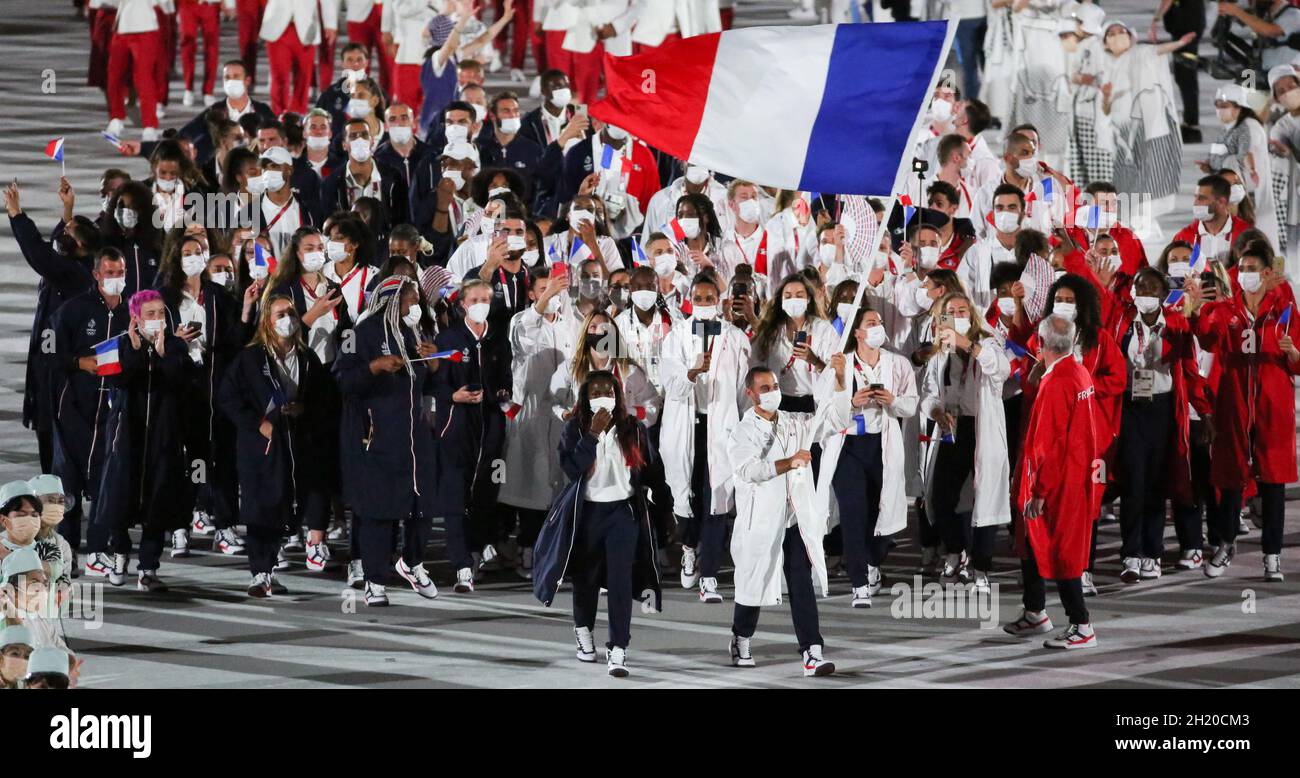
[[753, 373], [947, 145], [943, 188], [108, 254], [978, 116], [1009, 189], [1004, 273], [1217, 184]]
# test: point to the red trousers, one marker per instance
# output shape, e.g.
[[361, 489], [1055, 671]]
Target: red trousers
[[166, 61], [290, 60], [325, 63], [523, 32], [368, 34], [407, 87], [728, 16], [583, 70], [101, 32], [249, 14], [138, 53], [196, 17]]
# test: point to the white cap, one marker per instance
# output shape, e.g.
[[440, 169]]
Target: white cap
[[461, 149], [1117, 23], [1090, 18], [1233, 93], [279, 155], [1279, 71], [45, 484], [1066, 27]]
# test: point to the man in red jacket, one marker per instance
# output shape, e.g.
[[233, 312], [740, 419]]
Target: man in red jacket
[[1056, 491], [1213, 227]]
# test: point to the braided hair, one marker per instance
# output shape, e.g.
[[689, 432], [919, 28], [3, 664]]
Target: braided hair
[[387, 303]]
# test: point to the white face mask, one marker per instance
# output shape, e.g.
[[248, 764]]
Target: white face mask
[[317, 142], [875, 336], [257, 272], [234, 88], [826, 253], [665, 265], [510, 125], [456, 179], [690, 227], [498, 191], [1179, 269], [358, 108], [478, 312], [114, 286], [1201, 213], [399, 135], [940, 110], [220, 278], [794, 307], [313, 261], [705, 312], [456, 133], [1227, 116], [412, 317], [286, 326], [578, 215], [1146, 304], [127, 217], [336, 250], [553, 305], [961, 324], [273, 180], [561, 97], [359, 149], [748, 211], [696, 175], [530, 256], [193, 264], [1291, 99], [1027, 167], [1236, 194], [1006, 221], [598, 404], [645, 299], [923, 298], [1007, 306], [615, 133], [168, 185], [770, 401], [151, 328], [516, 242], [1251, 282], [929, 257], [844, 311], [256, 184], [1066, 311]]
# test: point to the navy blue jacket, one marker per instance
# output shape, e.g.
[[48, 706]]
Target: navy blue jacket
[[394, 195], [387, 155]]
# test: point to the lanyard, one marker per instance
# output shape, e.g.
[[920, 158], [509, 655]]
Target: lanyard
[[760, 256], [364, 270], [513, 294], [279, 213], [309, 292]]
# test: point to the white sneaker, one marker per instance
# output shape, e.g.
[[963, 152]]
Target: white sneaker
[[1029, 624], [980, 582], [116, 127], [98, 565], [227, 541], [151, 134], [339, 532], [260, 586], [1150, 569], [318, 554], [277, 588], [525, 568], [160, 111], [1089, 587], [709, 591], [187, 99], [376, 594], [1218, 564], [1074, 636], [281, 560], [201, 525], [861, 597], [517, 76], [1132, 572], [815, 664], [356, 574], [180, 543], [1243, 526], [117, 575], [616, 663], [209, 100], [586, 646], [490, 561], [689, 572], [293, 542], [1273, 567], [418, 579], [1191, 559], [740, 655], [954, 567], [476, 565], [873, 579], [464, 581], [148, 581], [535, 88]]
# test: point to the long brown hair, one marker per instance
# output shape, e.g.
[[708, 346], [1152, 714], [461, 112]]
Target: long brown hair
[[774, 316], [265, 336], [611, 343], [625, 427]]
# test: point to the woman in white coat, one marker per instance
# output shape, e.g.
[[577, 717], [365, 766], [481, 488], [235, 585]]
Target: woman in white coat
[[702, 375], [1244, 146], [795, 341], [779, 528], [600, 347], [967, 470], [866, 459]]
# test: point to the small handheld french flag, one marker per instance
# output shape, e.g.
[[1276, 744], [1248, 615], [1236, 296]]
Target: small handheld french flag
[[553, 254], [1016, 348], [1285, 319], [909, 210], [54, 149], [262, 259], [1175, 297], [638, 255], [106, 358], [579, 251], [455, 355], [606, 157], [1047, 189], [1195, 262], [675, 231]]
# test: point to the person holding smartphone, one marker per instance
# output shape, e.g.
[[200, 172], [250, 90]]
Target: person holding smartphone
[[866, 458], [795, 341]]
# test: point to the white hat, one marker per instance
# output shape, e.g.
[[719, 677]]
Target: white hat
[[1090, 18], [20, 561], [45, 484], [15, 489], [279, 155], [15, 634], [1066, 26], [1277, 72], [1232, 93], [461, 149], [48, 659], [1117, 23]]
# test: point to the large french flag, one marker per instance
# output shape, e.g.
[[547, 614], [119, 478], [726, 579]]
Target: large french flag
[[823, 108]]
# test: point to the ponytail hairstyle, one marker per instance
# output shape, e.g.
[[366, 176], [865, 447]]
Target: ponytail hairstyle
[[625, 427]]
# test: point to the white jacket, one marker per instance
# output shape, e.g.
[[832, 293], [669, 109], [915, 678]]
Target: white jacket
[[307, 16], [637, 392], [137, 16], [663, 206], [655, 19], [762, 497], [406, 20], [533, 475]]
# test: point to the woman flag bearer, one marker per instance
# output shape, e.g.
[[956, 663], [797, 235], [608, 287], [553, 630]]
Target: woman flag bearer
[[866, 460], [966, 465], [608, 457], [1056, 491], [703, 370], [292, 30], [1253, 335], [284, 406], [387, 449], [778, 526]]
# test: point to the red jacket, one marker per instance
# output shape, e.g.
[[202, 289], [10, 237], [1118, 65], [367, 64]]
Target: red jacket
[[1131, 252], [1060, 455], [1191, 233], [1179, 352], [1254, 418]]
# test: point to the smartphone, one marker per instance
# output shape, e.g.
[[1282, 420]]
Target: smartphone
[[737, 290], [195, 326], [560, 269], [875, 387], [800, 337], [474, 387]]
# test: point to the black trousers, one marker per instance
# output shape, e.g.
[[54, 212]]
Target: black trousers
[[530, 523], [1145, 429], [1035, 596], [1187, 16], [856, 484], [263, 546], [1205, 501], [704, 531], [1272, 496], [378, 542], [803, 600], [954, 464], [604, 551], [661, 497]]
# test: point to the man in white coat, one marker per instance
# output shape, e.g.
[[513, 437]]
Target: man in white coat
[[703, 369], [779, 528], [663, 206]]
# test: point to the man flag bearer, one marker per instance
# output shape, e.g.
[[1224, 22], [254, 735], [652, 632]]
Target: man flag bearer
[[1056, 491], [777, 526]]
